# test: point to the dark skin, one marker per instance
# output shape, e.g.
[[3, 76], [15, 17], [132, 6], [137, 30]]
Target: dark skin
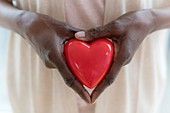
[[127, 33], [47, 36]]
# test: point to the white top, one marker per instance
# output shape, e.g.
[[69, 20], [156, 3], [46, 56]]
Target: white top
[[138, 88]]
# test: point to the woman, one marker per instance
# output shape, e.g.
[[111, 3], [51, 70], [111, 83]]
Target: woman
[[43, 27]]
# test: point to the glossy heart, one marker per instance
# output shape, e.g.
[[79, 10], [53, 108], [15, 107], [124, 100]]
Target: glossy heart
[[89, 62]]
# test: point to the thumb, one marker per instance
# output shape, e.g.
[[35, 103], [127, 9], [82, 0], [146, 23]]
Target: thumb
[[94, 33]]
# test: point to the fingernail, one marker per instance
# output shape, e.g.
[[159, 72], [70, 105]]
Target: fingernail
[[80, 34]]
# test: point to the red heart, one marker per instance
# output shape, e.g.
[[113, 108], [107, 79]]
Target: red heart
[[89, 62]]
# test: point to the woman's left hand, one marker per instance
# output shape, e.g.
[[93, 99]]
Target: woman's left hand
[[127, 33]]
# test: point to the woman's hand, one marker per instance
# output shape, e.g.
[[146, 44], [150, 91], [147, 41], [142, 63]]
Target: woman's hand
[[47, 36], [127, 33]]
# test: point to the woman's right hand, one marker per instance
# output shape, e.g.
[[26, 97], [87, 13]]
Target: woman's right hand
[[47, 36]]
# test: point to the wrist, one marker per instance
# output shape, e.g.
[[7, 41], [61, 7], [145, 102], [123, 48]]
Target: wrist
[[161, 18], [9, 15], [149, 20], [24, 21]]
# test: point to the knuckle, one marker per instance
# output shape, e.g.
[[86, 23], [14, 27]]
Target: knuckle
[[48, 59], [72, 83], [109, 80], [80, 91], [69, 82], [116, 24], [49, 65], [127, 56], [118, 28], [127, 61], [49, 55], [94, 32]]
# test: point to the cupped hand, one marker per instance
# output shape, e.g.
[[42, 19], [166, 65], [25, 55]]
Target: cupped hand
[[127, 33], [47, 36]]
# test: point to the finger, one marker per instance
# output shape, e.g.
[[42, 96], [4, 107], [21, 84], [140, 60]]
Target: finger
[[59, 61], [72, 82], [110, 30], [80, 90], [71, 31], [80, 34], [108, 80], [94, 33]]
